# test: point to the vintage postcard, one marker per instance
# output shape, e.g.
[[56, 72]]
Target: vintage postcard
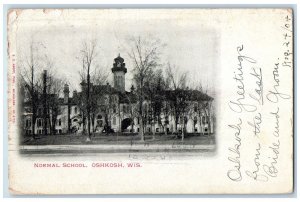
[[150, 101]]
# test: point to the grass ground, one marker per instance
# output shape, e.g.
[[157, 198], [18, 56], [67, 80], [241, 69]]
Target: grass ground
[[119, 139]]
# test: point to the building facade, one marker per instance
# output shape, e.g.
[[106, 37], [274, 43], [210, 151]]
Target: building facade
[[113, 109]]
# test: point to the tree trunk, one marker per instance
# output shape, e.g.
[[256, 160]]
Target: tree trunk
[[141, 112], [45, 102], [93, 122], [32, 102], [176, 122], [88, 107], [53, 127], [83, 124], [165, 129], [202, 127], [153, 131], [182, 129], [132, 123], [33, 125], [106, 124], [176, 128], [142, 128]]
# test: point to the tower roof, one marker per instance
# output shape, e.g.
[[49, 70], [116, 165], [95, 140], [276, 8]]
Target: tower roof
[[119, 65], [119, 58]]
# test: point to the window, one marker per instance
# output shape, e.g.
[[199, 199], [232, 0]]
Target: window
[[39, 122], [114, 121], [185, 120], [59, 122], [196, 130], [28, 123], [138, 120], [138, 129], [149, 130], [75, 109], [100, 123], [157, 130], [167, 120], [149, 119], [59, 131], [181, 120], [158, 119], [99, 117], [204, 120], [195, 120], [114, 109], [75, 120], [195, 108], [125, 109]]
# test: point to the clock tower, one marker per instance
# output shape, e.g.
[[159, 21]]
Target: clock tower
[[119, 70]]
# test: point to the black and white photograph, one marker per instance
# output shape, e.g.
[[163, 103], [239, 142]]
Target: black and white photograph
[[134, 84]]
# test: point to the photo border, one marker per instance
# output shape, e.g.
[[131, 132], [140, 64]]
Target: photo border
[[6, 7]]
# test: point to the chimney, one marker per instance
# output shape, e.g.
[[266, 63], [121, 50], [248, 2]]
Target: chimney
[[83, 86], [132, 88], [75, 93], [66, 94]]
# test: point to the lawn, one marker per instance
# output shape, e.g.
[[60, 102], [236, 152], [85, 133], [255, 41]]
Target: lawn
[[119, 139]]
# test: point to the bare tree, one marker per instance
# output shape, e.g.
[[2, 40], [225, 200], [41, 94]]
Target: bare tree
[[30, 64], [179, 95], [154, 90], [132, 110], [88, 54], [99, 78], [205, 108], [145, 57], [54, 89]]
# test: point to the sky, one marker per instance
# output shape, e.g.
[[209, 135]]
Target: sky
[[191, 44]]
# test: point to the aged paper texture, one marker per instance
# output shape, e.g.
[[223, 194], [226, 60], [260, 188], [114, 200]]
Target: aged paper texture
[[150, 101]]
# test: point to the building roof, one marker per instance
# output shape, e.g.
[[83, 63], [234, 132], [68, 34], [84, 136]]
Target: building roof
[[104, 89], [192, 95]]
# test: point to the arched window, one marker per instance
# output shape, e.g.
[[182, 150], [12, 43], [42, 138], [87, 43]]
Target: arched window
[[39, 122], [28, 123], [75, 110], [195, 120], [100, 123], [167, 120], [181, 120], [195, 107], [204, 121]]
